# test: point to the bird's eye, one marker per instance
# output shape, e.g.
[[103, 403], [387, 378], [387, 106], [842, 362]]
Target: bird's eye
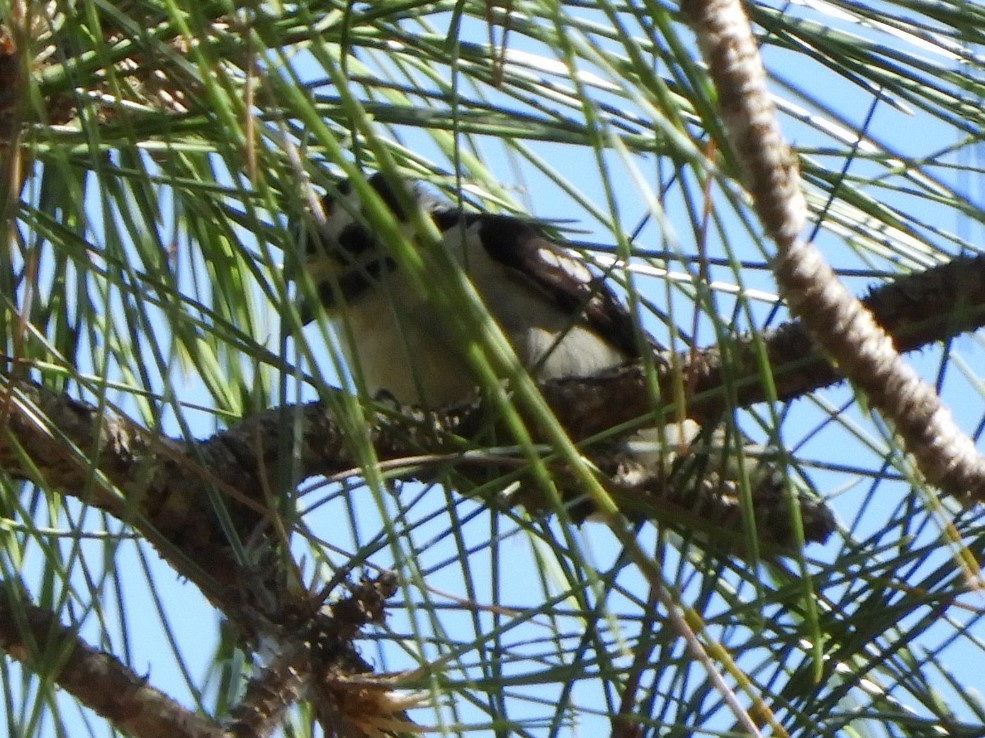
[[345, 187]]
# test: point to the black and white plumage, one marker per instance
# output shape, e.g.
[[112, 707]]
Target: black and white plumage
[[560, 318]]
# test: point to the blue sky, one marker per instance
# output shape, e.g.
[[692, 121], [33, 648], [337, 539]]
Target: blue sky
[[512, 569]]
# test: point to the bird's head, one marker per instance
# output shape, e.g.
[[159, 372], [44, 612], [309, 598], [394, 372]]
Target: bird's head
[[338, 254]]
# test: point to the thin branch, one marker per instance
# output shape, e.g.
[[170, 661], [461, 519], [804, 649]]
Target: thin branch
[[165, 488], [303, 660], [268, 695], [848, 332], [98, 680], [917, 311], [162, 486]]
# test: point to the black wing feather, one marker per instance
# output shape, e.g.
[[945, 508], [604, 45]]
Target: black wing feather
[[519, 245]]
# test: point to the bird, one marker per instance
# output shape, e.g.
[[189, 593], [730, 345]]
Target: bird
[[561, 318]]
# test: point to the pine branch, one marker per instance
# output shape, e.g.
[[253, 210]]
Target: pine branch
[[98, 680], [162, 486], [945, 455]]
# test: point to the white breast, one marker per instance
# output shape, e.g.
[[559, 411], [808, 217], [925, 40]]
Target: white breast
[[398, 341]]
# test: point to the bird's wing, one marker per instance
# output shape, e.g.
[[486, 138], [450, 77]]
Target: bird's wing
[[563, 279]]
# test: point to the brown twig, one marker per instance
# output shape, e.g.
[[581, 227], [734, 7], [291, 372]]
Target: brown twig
[[96, 679]]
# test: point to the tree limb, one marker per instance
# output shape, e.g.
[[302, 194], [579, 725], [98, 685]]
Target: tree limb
[[162, 486], [849, 333], [98, 680], [169, 489]]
